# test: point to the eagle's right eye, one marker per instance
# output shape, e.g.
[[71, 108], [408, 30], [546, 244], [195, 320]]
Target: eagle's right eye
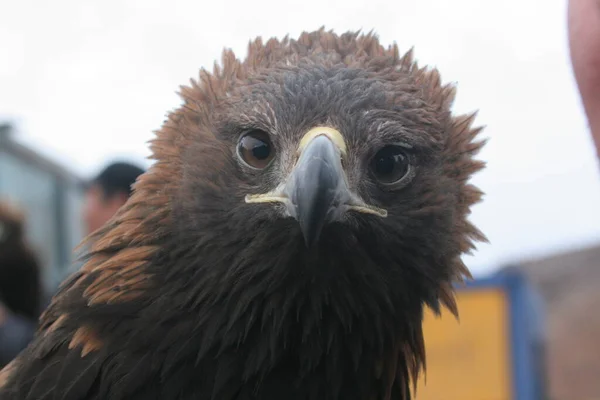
[[255, 149]]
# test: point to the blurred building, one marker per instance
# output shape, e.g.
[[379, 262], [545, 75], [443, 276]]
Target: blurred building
[[52, 198], [570, 285], [496, 349]]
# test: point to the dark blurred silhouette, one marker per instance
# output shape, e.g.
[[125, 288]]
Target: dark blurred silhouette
[[584, 43], [107, 192], [20, 286]]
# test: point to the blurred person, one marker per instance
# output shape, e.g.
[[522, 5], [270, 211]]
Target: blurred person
[[107, 192], [584, 44], [104, 195], [20, 286]]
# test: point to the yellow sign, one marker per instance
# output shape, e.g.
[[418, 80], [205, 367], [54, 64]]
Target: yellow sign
[[469, 359]]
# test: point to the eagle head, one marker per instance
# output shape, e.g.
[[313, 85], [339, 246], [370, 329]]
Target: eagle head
[[320, 188]]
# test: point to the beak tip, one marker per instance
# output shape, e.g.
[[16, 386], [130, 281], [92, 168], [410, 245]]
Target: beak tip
[[309, 242], [310, 234]]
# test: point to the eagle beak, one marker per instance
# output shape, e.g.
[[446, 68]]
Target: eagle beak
[[316, 191], [317, 185]]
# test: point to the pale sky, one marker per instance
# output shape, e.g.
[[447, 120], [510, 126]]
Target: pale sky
[[88, 81]]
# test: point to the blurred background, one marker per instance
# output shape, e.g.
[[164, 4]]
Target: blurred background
[[84, 83]]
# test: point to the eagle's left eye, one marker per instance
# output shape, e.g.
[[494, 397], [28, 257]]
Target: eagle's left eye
[[391, 165], [255, 149]]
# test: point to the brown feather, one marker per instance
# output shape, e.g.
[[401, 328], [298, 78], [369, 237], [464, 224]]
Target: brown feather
[[7, 371], [87, 339]]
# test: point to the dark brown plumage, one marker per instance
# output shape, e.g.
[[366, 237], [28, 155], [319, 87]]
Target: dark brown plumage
[[199, 289]]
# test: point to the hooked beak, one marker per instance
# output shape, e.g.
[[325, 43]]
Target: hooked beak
[[316, 191], [317, 187]]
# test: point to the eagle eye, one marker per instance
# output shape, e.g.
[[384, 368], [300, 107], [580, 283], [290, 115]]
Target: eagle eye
[[391, 165], [255, 149]]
